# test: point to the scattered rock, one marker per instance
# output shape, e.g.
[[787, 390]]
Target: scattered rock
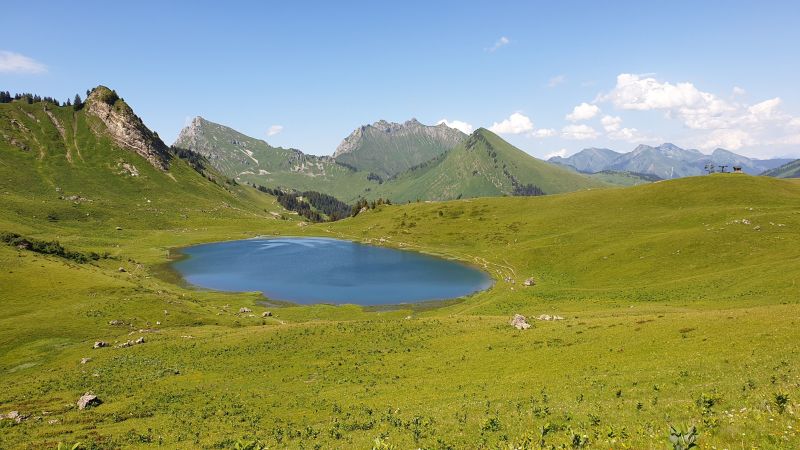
[[53, 421], [549, 317], [100, 344], [15, 416], [116, 322], [408, 317], [85, 360], [121, 269], [520, 322], [119, 228], [140, 340], [757, 227], [266, 314], [529, 282], [88, 400], [244, 309]]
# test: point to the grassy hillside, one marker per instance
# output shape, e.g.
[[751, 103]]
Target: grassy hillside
[[623, 178], [679, 298], [788, 170], [484, 165]]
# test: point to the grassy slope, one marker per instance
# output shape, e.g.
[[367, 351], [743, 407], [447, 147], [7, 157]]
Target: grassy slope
[[476, 169], [666, 298], [788, 170]]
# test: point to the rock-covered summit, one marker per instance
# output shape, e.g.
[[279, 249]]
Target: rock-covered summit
[[125, 128], [388, 148]]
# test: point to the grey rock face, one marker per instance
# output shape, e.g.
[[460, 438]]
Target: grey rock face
[[88, 400], [126, 129], [519, 322]]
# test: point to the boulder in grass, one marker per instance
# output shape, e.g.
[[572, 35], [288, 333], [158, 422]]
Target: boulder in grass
[[100, 344], [519, 322], [529, 282], [266, 314], [88, 400], [244, 309]]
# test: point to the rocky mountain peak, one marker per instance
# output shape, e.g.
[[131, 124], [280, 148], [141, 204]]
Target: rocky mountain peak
[[125, 128]]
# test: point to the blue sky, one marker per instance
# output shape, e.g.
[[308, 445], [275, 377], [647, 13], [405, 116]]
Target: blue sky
[[699, 74]]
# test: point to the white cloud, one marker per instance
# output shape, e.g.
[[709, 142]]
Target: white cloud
[[11, 62], [584, 111], [274, 129], [556, 80], [458, 125], [516, 123], [560, 153], [713, 121], [502, 42], [727, 139], [579, 132], [543, 133], [611, 123]]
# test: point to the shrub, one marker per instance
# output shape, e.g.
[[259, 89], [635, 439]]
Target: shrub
[[683, 440]]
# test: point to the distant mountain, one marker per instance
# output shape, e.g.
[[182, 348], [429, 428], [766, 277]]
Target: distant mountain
[[664, 161], [789, 170], [387, 148], [481, 166], [253, 160], [588, 160]]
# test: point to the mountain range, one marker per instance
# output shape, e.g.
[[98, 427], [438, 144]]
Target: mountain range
[[399, 161], [788, 170], [665, 161]]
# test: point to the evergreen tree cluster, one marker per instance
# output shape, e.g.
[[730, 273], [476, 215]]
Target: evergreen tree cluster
[[308, 203], [194, 159], [527, 189], [27, 97], [363, 203]]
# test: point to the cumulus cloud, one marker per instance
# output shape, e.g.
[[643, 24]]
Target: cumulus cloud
[[274, 129], [560, 153], [611, 123], [579, 132], [713, 120], [556, 80], [584, 111], [11, 62], [502, 42], [516, 123], [458, 125], [543, 133]]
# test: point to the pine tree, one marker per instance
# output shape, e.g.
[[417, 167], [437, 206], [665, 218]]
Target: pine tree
[[77, 103]]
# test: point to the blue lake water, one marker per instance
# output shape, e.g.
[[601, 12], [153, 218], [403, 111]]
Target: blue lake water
[[320, 270]]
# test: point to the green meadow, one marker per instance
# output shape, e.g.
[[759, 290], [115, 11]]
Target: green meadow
[[679, 301]]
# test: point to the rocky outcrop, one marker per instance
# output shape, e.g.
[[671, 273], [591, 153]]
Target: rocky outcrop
[[519, 322], [88, 400], [125, 128]]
